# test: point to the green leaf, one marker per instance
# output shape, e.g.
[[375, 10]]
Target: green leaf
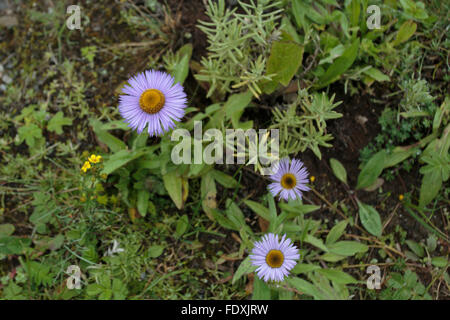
[[235, 214], [119, 289], [155, 251], [405, 32], [222, 220], [399, 154], [416, 248], [244, 268], [181, 69], [337, 276], [338, 170], [370, 219], [6, 230], [57, 122], [105, 137], [174, 186], [259, 209], [235, 105], [284, 60], [182, 226], [431, 184], [119, 159], [31, 133], [347, 248], [336, 232], [261, 290], [208, 194], [439, 262], [316, 242], [332, 257], [305, 287], [372, 170], [224, 179], [143, 197], [355, 8], [376, 74], [340, 65], [304, 268], [13, 245]]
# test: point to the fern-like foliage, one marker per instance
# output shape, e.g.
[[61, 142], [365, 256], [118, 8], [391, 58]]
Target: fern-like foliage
[[238, 45]]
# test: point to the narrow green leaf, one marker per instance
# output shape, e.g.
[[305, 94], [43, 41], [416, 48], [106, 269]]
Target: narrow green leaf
[[372, 170], [431, 184], [182, 226], [244, 268], [174, 186], [338, 170], [259, 209], [336, 232], [370, 219], [347, 248]]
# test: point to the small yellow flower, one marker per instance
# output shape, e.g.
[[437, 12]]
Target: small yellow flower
[[95, 159], [401, 197], [312, 179], [86, 166], [104, 176]]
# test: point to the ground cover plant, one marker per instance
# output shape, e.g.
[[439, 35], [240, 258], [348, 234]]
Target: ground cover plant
[[107, 191]]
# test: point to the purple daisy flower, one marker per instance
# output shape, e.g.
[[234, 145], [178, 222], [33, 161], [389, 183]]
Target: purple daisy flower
[[274, 258], [289, 180], [152, 98]]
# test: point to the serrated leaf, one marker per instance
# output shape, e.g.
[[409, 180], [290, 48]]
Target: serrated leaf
[[57, 122]]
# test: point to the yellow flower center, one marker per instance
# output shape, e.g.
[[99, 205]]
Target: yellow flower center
[[151, 101], [288, 181], [275, 258]]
